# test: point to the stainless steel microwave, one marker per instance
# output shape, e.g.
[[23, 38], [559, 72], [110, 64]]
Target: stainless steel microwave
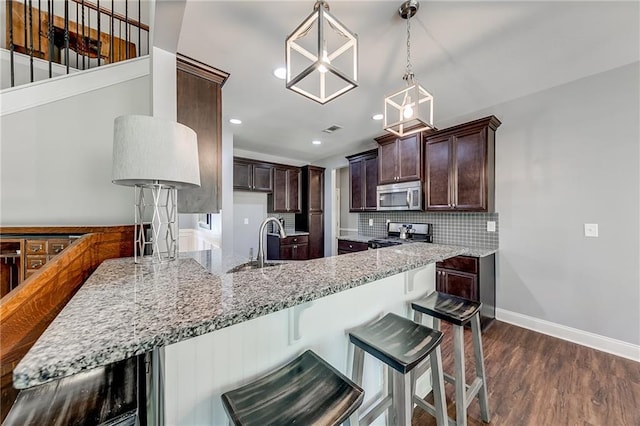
[[400, 196]]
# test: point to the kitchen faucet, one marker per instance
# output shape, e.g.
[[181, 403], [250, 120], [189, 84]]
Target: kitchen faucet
[[260, 258]]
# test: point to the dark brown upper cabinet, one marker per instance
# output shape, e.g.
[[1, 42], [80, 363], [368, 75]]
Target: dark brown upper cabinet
[[285, 197], [251, 175], [199, 106], [363, 180], [460, 167], [399, 159]]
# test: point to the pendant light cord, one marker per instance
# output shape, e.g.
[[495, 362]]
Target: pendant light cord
[[408, 75]]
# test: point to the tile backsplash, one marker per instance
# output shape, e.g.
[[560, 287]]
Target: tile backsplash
[[289, 221], [448, 228]]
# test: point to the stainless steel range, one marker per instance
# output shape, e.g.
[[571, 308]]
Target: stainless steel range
[[403, 233]]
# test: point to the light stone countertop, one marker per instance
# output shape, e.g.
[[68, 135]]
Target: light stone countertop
[[468, 250], [358, 238], [125, 309], [290, 233]]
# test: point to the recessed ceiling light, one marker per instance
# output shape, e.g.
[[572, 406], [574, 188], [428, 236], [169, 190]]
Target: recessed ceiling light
[[377, 116], [235, 121], [316, 142], [280, 73]]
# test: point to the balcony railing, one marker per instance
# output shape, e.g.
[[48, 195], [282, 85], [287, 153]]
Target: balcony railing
[[53, 37]]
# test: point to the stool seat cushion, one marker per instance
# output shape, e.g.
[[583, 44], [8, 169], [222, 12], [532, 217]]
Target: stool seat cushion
[[305, 391], [453, 309], [398, 342]]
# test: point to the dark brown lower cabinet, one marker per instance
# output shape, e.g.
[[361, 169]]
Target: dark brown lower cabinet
[[316, 235], [289, 248], [348, 246], [472, 278], [311, 218]]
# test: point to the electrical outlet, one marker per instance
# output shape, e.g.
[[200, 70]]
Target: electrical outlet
[[246, 220], [370, 222], [491, 226], [590, 229]]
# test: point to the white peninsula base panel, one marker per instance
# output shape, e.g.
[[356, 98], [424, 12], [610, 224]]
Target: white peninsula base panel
[[200, 369]]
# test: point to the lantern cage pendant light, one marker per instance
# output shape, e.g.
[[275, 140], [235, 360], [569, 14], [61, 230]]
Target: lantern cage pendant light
[[321, 56], [409, 110]]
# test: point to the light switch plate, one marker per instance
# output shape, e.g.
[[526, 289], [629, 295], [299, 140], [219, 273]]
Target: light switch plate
[[491, 226], [246, 220], [370, 222], [590, 229]]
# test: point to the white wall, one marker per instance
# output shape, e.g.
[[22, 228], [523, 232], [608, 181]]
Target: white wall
[[226, 209], [56, 159], [251, 206], [565, 157]]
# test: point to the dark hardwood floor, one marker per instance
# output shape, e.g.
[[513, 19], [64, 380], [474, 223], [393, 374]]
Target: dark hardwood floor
[[535, 379]]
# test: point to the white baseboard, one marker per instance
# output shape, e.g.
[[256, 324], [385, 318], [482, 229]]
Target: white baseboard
[[585, 338]]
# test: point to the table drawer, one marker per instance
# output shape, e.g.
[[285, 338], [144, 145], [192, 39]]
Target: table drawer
[[460, 263], [36, 247], [351, 246], [36, 261], [56, 246]]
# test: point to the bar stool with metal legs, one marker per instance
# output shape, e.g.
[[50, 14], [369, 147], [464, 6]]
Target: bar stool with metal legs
[[458, 311], [402, 345], [306, 391]]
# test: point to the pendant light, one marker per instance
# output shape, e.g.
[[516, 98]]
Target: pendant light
[[409, 110], [321, 56]]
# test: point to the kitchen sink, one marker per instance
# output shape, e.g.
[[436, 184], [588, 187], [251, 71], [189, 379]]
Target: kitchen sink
[[249, 266]]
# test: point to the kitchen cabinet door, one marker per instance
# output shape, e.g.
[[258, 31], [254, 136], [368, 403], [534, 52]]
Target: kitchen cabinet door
[[399, 159], [316, 235], [286, 190], [316, 189], [356, 181], [279, 196], [250, 175], [387, 159], [409, 158], [460, 167], [370, 181], [311, 218], [470, 170], [199, 106], [363, 181], [438, 173], [262, 177], [460, 284], [294, 252], [293, 190], [241, 175]]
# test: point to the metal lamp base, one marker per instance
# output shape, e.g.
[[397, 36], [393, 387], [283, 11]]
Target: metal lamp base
[[156, 223]]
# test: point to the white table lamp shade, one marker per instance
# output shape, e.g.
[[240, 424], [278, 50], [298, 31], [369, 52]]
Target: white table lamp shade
[[149, 150]]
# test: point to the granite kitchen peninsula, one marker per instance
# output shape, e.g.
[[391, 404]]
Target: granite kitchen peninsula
[[216, 330]]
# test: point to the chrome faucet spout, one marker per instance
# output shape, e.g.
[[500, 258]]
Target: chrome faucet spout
[[263, 226]]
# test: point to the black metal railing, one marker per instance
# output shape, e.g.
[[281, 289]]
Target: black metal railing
[[82, 37]]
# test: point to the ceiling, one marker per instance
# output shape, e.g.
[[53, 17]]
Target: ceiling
[[469, 55]]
